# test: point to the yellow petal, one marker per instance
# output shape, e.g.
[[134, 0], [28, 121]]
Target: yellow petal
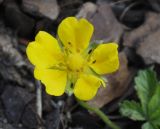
[[45, 51], [104, 58], [54, 80], [75, 34], [38, 56], [86, 87], [37, 73], [48, 42], [84, 32]]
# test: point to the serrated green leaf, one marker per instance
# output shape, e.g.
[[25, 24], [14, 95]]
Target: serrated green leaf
[[156, 121], [146, 82], [148, 91], [154, 103], [148, 125], [154, 107], [132, 110]]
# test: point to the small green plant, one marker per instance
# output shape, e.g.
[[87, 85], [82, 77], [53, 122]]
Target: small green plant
[[148, 109]]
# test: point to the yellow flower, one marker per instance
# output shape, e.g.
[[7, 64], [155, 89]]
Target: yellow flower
[[71, 65]]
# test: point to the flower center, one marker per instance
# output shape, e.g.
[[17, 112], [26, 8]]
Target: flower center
[[75, 62]]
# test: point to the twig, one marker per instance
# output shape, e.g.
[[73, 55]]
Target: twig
[[118, 2], [127, 9], [39, 98]]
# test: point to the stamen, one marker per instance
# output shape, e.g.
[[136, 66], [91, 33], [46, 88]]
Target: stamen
[[78, 50], [77, 70], [89, 51], [71, 84], [69, 43], [94, 62], [69, 69]]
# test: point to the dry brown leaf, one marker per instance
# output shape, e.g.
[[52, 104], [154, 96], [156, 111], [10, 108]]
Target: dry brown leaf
[[145, 39], [106, 26]]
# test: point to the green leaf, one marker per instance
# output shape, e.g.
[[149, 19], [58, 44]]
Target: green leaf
[[146, 83], [132, 110], [148, 91], [156, 121], [154, 107], [148, 125]]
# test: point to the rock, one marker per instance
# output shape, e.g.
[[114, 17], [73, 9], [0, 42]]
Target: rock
[[46, 102], [68, 8], [9, 57], [133, 38], [117, 84], [14, 100], [46, 25], [149, 49], [87, 9], [84, 121], [7, 126], [53, 119], [13, 67], [1, 112], [129, 13], [107, 28], [1, 1], [155, 4], [145, 39], [30, 119], [133, 58], [2, 86], [20, 22], [47, 8], [7, 42]]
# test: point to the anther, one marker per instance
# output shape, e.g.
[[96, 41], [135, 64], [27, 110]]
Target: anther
[[78, 50], [89, 51], [71, 84], [77, 70], [94, 61], [69, 43]]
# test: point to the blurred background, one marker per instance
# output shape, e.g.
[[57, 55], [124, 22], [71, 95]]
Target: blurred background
[[133, 24]]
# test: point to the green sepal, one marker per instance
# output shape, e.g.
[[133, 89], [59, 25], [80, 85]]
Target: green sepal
[[69, 87]]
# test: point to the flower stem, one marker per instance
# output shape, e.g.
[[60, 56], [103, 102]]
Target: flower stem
[[99, 113]]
